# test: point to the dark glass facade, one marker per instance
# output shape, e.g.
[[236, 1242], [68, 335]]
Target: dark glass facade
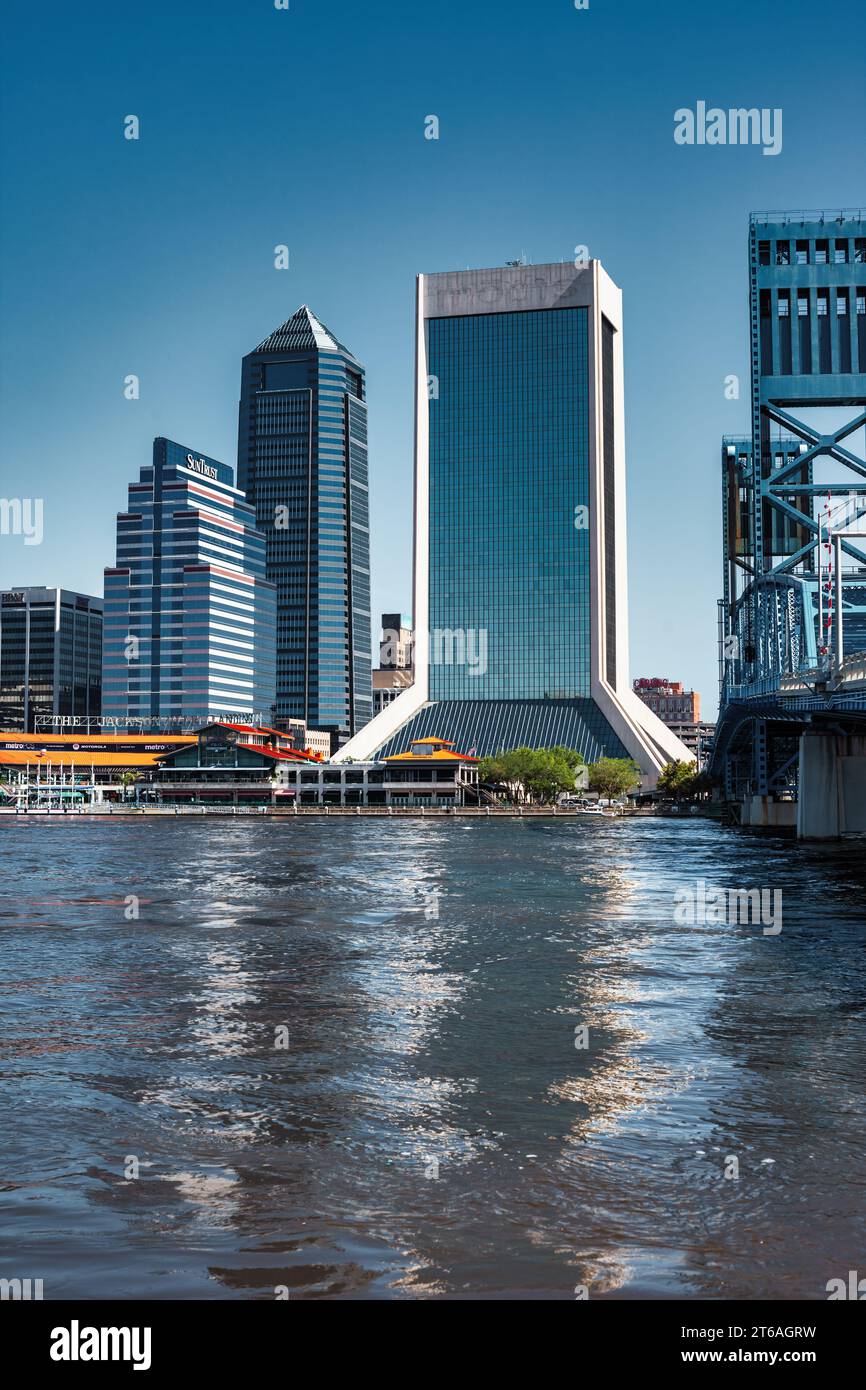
[[509, 466], [50, 656], [489, 725], [302, 461]]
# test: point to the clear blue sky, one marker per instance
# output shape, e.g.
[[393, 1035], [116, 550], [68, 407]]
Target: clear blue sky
[[305, 127]]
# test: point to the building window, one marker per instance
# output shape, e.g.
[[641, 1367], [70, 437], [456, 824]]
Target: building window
[[763, 253], [766, 335], [784, 312], [822, 252], [802, 253], [844, 331], [823, 312], [840, 251], [860, 250], [805, 332], [783, 253]]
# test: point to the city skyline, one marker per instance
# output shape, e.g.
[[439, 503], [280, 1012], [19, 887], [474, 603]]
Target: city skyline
[[518, 956], [175, 296]]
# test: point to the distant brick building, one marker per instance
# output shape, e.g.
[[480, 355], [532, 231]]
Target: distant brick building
[[668, 700], [680, 710]]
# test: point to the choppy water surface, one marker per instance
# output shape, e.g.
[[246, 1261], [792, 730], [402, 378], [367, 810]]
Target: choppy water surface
[[419, 1044]]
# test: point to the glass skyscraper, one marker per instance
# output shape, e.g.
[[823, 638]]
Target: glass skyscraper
[[505, 557], [50, 657], [521, 630], [302, 461], [189, 614]]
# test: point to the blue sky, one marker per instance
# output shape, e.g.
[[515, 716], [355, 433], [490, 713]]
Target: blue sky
[[306, 127]]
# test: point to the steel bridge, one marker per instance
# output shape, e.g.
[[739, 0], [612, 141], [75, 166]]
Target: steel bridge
[[792, 619]]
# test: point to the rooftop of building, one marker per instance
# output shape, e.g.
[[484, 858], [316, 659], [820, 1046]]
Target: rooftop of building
[[433, 749], [303, 332], [775, 216], [83, 758], [659, 684], [14, 594], [270, 739]]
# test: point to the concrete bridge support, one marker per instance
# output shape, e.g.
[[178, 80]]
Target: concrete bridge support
[[832, 786], [767, 813]]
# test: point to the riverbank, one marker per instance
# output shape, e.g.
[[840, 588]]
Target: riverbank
[[376, 812]]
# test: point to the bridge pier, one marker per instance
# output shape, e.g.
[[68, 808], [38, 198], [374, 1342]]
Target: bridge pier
[[832, 799], [764, 811]]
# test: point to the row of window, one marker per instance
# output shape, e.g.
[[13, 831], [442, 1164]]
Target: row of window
[[821, 251]]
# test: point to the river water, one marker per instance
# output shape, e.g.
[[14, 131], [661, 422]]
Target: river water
[[347, 1059]]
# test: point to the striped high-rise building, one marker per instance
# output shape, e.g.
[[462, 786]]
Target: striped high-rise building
[[189, 614], [302, 461]]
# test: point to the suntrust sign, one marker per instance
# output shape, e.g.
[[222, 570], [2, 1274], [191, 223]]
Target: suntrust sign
[[201, 466]]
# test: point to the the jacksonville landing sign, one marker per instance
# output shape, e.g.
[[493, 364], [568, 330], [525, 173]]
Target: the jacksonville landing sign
[[84, 724]]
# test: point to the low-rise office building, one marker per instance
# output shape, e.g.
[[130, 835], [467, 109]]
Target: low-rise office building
[[229, 764], [431, 774], [388, 684], [304, 739], [698, 738]]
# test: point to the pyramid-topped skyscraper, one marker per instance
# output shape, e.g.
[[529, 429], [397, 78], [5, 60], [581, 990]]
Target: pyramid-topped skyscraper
[[302, 461]]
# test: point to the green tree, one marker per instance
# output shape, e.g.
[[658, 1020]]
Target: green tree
[[127, 780], [612, 777], [548, 774], [536, 774], [570, 756], [678, 779]]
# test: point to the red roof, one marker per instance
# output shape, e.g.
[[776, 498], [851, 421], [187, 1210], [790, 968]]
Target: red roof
[[288, 754], [293, 756]]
